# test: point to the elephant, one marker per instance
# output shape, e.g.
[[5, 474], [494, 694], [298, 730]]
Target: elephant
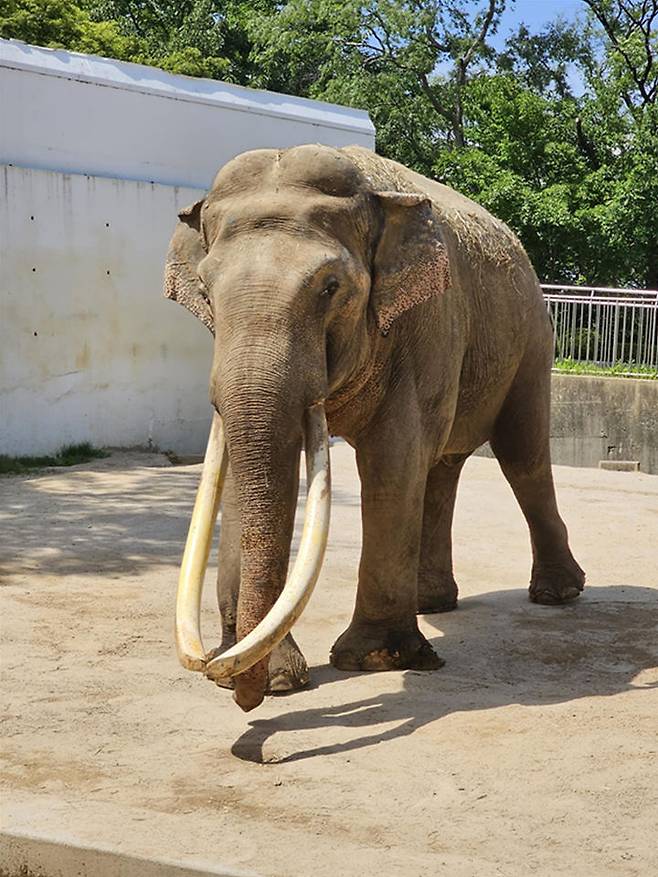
[[353, 297]]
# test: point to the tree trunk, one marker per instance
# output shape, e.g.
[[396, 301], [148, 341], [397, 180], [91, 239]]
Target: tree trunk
[[652, 266]]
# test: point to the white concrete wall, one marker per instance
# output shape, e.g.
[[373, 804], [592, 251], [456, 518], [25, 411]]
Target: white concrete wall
[[96, 158], [80, 114], [90, 350]]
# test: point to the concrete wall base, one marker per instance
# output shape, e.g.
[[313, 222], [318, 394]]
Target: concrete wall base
[[595, 419], [26, 855]]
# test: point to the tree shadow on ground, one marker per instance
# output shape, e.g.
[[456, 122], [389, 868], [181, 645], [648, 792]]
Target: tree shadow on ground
[[96, 520], [500, 650], [111, 517]]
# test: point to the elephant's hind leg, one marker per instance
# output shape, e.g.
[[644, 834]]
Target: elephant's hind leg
[[521, 443], [288, 670], [437, 588]]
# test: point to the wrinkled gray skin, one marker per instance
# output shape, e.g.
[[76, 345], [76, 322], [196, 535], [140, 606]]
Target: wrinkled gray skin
[[341, 276]]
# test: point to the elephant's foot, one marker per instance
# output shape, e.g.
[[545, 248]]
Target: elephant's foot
[[366, 646], [288, 670], [555, 583], [438, 594]]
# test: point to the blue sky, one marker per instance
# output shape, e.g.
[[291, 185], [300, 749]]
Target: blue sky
[[536, 13]]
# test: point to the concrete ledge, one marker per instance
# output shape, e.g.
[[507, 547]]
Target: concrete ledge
[[620, 465], [25, 855], [596, 420], [599, 418]]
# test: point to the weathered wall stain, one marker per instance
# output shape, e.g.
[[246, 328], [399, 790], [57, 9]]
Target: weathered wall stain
[[83, 357]]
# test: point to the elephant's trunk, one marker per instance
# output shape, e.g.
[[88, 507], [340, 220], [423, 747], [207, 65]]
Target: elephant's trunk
[[264, 439], [264, 426]]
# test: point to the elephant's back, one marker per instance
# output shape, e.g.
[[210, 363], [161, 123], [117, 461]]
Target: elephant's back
[[478, 236], [385, 174], [475, 229]]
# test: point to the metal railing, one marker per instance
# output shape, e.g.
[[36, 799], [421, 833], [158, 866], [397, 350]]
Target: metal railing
[[604, 326]]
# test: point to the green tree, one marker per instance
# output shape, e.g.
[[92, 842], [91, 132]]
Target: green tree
[[193, 37], [545, 61], [557, 133], [625, 95], [407, 63], [64, 24], [523, 163], [576, 177], [207, 38]]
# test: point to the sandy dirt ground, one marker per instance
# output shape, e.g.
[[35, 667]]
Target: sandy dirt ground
[[533, 751]]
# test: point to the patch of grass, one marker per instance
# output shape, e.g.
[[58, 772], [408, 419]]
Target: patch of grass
[[69, 455], [619, 369]]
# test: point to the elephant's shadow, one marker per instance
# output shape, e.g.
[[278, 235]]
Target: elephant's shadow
[[499, 650]]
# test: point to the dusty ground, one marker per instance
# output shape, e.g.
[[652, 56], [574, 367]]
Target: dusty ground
[[533, 751]]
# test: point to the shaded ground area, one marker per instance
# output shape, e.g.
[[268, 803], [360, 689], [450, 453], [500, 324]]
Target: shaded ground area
[[534, 750]]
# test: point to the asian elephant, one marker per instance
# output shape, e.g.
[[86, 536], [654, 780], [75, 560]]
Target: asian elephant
[[346, 292]]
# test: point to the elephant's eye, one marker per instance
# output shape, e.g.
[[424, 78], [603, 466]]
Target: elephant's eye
[[330, 287], [203, 289]]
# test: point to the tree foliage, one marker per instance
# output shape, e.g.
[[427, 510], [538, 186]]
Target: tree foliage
[[407, 63], [193, 37], [64, 24], [556, 132]]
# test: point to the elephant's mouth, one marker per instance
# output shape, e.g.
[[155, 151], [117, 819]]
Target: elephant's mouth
[[257, 644]]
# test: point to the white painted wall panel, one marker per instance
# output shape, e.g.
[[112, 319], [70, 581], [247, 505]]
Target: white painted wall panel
[[80, 114], [90, 351], [96, 158]]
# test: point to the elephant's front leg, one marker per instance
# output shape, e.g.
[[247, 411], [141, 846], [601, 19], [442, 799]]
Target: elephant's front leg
[[383, 633], [287, 670]]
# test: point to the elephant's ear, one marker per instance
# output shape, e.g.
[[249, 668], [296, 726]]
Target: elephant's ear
[[411, 262], [186, 250]]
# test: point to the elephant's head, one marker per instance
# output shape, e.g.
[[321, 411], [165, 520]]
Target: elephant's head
[[294, 261]]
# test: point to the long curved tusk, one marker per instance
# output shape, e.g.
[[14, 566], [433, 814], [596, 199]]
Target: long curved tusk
[[299, 586], [190, 649]]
